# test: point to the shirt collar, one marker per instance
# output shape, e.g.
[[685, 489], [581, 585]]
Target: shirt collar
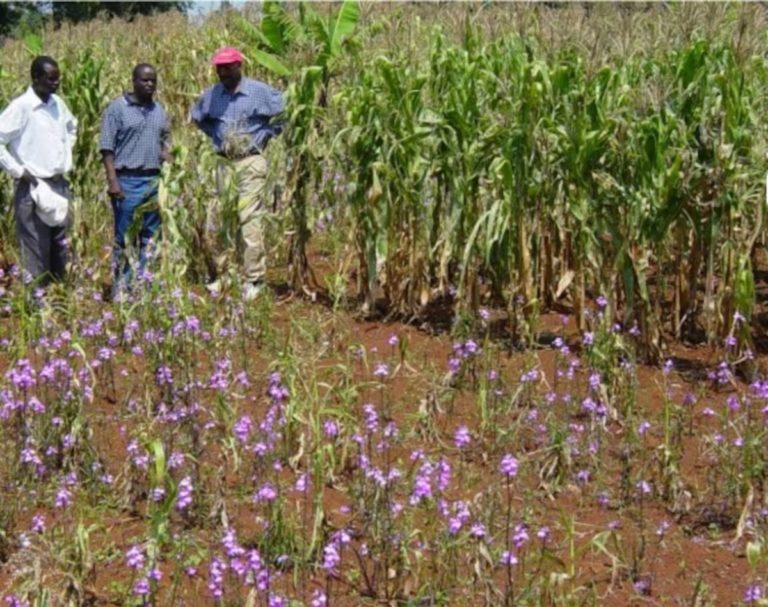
[[36, 102], [131, 101], [242, 89]]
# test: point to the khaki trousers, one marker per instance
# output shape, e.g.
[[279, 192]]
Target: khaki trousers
[[248, 179]]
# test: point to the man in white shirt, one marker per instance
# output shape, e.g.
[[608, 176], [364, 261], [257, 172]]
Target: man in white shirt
[[37, 133]]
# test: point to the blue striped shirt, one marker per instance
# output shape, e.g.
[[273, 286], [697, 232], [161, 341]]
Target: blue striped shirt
[[240, 121], [135, 133]]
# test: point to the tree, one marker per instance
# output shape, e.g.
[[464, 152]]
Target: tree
[[83, 11], [19, 15]]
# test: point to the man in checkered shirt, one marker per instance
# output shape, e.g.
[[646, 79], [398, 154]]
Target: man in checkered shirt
[[237, 115], [134, 142]]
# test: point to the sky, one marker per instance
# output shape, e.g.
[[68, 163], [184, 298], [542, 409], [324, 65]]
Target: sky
[[203, 7]]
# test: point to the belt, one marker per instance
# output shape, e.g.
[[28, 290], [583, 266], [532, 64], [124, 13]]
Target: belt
[[239, 156], [138, 172]]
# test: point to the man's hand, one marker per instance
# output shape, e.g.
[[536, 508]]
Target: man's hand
[[114, 190], [29, 178]]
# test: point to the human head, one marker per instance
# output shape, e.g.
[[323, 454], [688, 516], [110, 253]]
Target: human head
[[144, 81], [45, 76], [228, 62]]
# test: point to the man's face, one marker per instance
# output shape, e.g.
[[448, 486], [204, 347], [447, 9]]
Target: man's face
[[145, 83], [48, 82], [229, 74]]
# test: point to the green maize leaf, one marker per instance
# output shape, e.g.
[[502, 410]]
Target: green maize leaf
[[744, 291], [33, 43], [158, 453]]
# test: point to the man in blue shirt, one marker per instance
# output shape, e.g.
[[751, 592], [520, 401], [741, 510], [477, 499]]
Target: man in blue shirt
[[135, 139], [236, 114]]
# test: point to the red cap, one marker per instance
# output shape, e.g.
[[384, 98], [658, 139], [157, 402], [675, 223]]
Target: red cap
[[227, 54]]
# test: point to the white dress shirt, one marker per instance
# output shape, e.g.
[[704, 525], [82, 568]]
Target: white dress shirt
[[37, 136]]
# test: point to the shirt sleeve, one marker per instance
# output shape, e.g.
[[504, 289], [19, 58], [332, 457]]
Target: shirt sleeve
[[200, 115], [165, 133], [71, 121], [71, 126], [275, 103], [109, 129], [12, 122]]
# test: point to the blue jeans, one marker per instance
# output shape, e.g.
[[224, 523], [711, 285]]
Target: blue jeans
[[137, 191]]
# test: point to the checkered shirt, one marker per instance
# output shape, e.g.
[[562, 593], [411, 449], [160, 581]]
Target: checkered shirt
[[246, 113], [135, 133]]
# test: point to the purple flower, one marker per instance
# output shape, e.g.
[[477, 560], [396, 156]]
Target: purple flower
[[63, 498], [462, 438], [371, 417], [331, 558], [508, 466], [643, 487], [216, 577], [38, 524], [141, 587], [267, 493], [642, 586], [330, 428], [422, 485], [508, 558], [601, 302], [393, 340], [478, 531], [753, 593], [381, 370], [22, 375], [319, 599], [184, 496], [176, 460], [443, 474], [662, 528], [454, 365], [733, 403], [243, 428], [594, 381], [134, 557], [164, 376], [520, 536]]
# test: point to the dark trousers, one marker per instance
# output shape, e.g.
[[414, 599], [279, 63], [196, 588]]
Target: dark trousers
[[44, 250]]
